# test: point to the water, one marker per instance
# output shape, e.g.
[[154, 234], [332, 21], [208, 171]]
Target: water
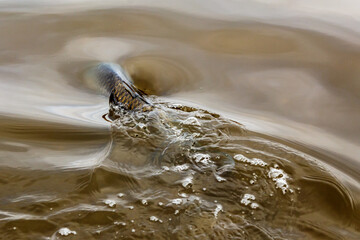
[[255, 134]]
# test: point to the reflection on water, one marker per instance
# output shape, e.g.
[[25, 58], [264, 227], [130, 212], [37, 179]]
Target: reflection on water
[[273, 156]]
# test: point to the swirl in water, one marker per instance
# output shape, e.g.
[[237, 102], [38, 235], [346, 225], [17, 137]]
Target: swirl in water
[[184, 161]]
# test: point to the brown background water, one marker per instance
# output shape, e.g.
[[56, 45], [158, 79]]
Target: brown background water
[[282, 76]]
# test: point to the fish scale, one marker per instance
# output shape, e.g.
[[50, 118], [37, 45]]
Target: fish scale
[[119, 85]]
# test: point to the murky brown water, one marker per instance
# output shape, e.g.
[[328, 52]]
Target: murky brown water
[[256, 133]]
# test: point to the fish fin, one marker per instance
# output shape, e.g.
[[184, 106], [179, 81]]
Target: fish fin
[[134, 92], [113, 99]]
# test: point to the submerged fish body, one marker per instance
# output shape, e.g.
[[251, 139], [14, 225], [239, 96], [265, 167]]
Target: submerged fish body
[[115, 81]]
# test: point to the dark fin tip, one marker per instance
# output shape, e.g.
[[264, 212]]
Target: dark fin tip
[[113, 99]]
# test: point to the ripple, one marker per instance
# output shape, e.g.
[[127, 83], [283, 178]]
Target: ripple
[[237, 170]]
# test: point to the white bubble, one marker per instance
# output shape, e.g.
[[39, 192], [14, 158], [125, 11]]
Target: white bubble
[[66, 231], [176, 105], [155, 219], [180, 168], [144, 202], [279, 177], [202, 158], [120, 195], [254, 205], [218, 209], [184, 195], [176, 201], [246, 200], [253, 162], [120, 223], [110, 203], [187, 182]]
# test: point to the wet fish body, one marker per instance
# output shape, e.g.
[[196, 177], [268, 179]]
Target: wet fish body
[[116, 82]]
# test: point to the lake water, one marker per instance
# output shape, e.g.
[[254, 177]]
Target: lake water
[[256, 134]]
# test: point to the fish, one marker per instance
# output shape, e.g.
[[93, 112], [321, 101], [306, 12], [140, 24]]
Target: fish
[[118, 84]]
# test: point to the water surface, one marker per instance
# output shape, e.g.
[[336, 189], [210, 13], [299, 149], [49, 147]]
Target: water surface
[[255, 135]]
